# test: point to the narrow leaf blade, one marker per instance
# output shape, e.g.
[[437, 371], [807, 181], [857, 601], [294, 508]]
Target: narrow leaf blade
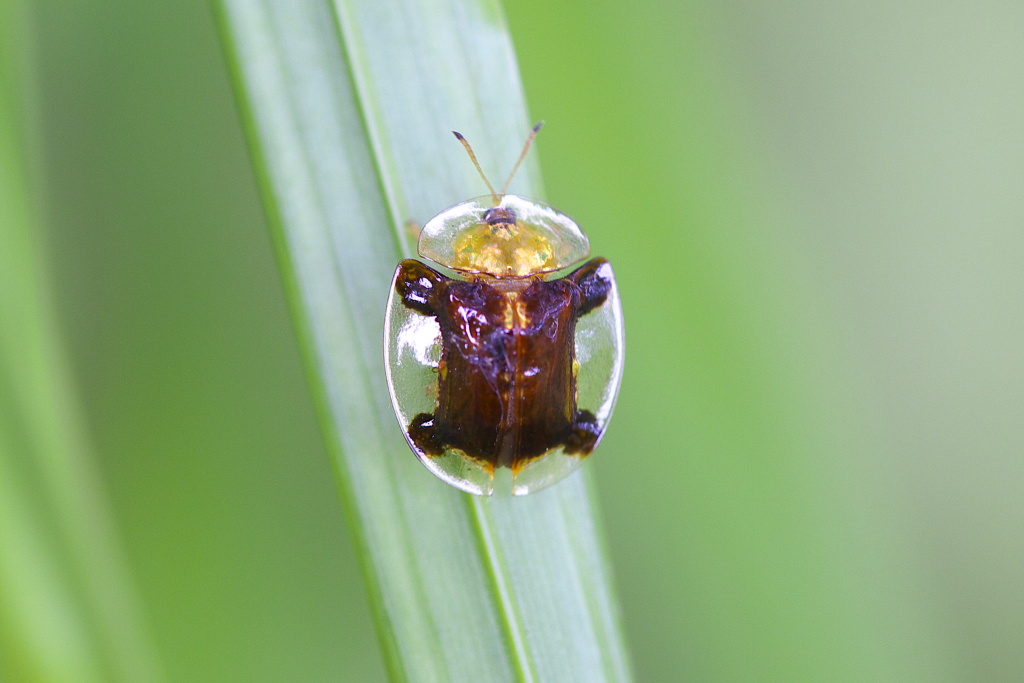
[[349, 108]]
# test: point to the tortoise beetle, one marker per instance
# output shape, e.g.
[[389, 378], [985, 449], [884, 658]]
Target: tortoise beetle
[[503, 374]]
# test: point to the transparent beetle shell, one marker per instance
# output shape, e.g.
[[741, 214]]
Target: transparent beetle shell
[[542, 240], [507, 245]]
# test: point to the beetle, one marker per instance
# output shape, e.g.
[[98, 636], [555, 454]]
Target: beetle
[[504, 355]]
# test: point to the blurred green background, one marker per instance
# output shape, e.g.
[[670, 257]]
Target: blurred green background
[[816, 214]]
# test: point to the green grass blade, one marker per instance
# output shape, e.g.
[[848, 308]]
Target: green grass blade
[[68, 611], [348, 108]]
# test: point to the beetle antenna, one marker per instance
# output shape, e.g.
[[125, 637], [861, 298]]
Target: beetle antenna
[[522, 155], [472, 156]]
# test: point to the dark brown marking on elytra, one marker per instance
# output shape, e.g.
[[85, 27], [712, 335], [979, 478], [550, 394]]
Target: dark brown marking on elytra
[[507, 391]]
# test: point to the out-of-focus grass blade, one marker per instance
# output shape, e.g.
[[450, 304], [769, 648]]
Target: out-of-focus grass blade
[[349, 108], [68, 611]]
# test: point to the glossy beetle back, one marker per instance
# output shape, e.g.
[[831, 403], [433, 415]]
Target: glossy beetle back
[[503, 391]]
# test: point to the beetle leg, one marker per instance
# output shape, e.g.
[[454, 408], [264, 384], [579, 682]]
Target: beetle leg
[[419, 286], [594, 280], [584, 435]]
